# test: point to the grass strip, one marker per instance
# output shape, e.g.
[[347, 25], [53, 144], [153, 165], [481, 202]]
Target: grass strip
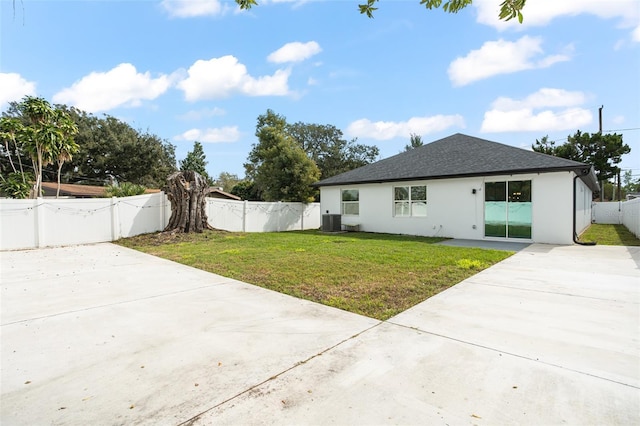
[[376, 275], [609, 235]]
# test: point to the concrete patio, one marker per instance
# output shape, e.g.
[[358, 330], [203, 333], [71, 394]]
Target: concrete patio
[[103, 335]]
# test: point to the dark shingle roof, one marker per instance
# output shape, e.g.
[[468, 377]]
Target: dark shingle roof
[[456, 156]]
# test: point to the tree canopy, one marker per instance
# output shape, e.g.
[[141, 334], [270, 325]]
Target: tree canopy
[[111, 150], [325, 145], [227, 181], [415, 141], [509, 9], [294, 152], [196, 161], [44, 133], [603, 151], [104, 149], [279, 167]]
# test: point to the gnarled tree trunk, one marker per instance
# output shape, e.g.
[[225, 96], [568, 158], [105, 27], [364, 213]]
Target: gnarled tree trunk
[[187, 193]]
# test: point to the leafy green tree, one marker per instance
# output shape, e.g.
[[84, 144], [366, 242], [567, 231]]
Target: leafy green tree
[[196, 161], [39, 136], [509, 9], [47, 135], [415, 141], [246, 190], [566, 150], [227, 181], [630, 185], [603, 151], [111, 150], [65, 147], [325, 145], [10, 130], [280, 168]]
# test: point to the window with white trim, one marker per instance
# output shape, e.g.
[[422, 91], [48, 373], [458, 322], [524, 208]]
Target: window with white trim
[[410, 201], [350, 202]]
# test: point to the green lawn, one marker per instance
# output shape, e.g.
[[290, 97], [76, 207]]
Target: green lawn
[[376, 275], [610, 235]]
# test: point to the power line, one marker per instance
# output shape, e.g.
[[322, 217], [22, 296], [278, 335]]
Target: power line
[[622, 130]]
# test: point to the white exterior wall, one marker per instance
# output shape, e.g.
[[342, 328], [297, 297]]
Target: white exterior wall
[[584, 206], [453, 210]]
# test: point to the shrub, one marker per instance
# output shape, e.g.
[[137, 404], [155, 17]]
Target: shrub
[[125, 189], [15, 185]]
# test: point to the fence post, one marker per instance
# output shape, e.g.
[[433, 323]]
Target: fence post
[[302, 210], [115, 220], [244, 216], [39, 222], [162, 209], [279, 215]]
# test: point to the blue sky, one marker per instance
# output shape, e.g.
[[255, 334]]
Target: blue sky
[[190, 70]]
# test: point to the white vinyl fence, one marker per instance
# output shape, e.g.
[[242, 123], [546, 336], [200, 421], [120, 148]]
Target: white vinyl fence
[[45, 222], [626, 213], [251, 216]]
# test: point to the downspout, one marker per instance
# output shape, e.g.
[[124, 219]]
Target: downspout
[[575, 233]]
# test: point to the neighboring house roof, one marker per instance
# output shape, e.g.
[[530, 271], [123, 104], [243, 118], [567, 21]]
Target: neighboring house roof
[[78, 191], [460, 156], [219, 193]]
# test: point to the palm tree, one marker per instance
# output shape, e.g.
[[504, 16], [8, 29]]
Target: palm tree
[[65, 146]]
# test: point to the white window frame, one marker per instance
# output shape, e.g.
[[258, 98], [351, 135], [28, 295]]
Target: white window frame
[[348, 205], [410, 203]]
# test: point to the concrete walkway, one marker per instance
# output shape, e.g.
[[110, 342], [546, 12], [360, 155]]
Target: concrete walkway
[[104, 335]]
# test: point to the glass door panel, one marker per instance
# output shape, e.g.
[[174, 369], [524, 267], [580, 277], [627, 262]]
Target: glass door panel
[[519, 209], [495, 209], [507, 209]]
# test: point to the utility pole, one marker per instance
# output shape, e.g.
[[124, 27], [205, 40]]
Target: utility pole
[[600, 131], [600, 118], [619, 187]]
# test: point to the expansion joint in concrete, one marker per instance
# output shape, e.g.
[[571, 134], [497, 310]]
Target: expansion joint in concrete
[[195, 418], [466, 342]]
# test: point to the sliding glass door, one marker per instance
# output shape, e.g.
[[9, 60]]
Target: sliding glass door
[[507, 209]]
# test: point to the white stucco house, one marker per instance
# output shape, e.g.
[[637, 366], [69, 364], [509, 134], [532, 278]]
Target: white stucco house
[[466, 187]]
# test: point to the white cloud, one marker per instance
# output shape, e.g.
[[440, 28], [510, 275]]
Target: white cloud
[[560, 110], [544, 97], [121, 86], [635, 34], [13, 87], [192, 8], [385, 130], [502, 57], [211, 135], [618, 119], [540, 13], [220, 77], [295, 52], [195, 115]]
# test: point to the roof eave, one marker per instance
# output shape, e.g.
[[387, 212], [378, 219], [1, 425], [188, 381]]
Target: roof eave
[[576, 168]]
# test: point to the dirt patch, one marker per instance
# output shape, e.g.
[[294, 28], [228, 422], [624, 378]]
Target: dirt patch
[[162, 238]]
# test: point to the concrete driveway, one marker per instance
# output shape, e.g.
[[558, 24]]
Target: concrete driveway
[[104, 335]]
